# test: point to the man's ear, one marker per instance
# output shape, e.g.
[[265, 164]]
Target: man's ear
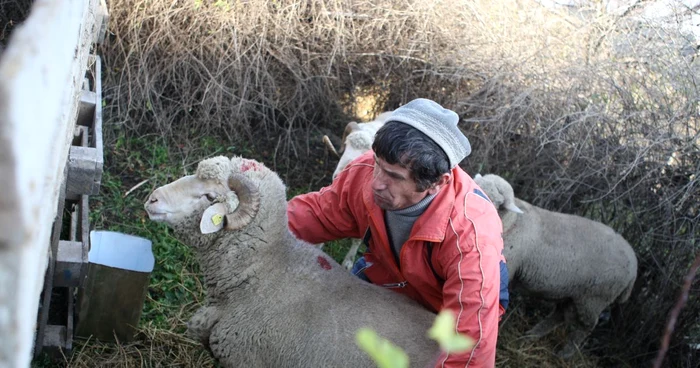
[[445, 179], [213, 218]]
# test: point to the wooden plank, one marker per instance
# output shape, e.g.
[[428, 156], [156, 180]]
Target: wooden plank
[[102, 21], [86, 109], [43, 317], [72, 255], [84, 235], [85, 161], [41, 73], [97, 127], [68, 343], [84, 173], [55, 336], [69, 264]]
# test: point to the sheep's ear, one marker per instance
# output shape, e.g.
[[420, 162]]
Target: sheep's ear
[[213, 218], [477, 176]]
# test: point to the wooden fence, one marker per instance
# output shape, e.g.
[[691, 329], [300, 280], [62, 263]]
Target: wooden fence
[[42, 76]]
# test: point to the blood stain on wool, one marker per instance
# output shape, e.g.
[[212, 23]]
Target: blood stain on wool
[[250, 165], [324, 263]]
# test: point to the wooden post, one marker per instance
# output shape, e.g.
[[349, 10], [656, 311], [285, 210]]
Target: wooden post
[[41, 75]]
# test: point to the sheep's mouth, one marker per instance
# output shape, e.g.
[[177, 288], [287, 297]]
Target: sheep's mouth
[[157, 216]]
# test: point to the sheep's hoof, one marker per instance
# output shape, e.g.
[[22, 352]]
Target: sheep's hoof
[[198, 334], [530, 337], [199, 327], [544, 327], [537, 332]]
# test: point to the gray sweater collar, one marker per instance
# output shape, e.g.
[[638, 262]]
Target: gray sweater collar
[[417, 209]]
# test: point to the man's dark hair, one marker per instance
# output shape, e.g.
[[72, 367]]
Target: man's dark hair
[[401, 144]]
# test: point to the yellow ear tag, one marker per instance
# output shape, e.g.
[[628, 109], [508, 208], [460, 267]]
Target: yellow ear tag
[[217, 219]]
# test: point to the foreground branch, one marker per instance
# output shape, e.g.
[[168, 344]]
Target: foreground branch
[[673, 317]]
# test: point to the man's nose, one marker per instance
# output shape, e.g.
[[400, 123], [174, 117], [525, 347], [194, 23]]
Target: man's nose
[[378, 183]]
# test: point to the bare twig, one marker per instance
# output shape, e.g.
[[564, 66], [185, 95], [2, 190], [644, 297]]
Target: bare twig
[[676, 311], [137, 186]]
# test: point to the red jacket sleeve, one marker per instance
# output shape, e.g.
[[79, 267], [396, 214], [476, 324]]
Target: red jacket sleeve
[[326, 215]]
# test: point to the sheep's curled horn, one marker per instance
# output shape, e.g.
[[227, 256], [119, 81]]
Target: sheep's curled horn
[[248, 202]]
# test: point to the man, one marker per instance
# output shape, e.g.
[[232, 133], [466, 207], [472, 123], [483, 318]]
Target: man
[[432, 234]]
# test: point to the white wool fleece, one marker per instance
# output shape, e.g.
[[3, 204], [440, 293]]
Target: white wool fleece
[[217, 168]]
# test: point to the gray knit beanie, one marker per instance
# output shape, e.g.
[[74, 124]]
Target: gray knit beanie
[[438, 123]]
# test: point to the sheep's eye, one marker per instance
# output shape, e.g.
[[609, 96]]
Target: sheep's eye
[[210, 196]]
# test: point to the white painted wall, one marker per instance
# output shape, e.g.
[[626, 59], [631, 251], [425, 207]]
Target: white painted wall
[[41, 72]]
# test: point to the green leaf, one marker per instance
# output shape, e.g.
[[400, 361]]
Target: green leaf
[[222, 4], [444, 332], [383, 352]]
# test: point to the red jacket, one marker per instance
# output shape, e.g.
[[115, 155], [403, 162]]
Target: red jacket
[[460, 224]]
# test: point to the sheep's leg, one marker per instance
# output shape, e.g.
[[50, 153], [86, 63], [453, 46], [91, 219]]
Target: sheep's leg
[[552, 321], [587, 313], [200, 325], [349, 259]]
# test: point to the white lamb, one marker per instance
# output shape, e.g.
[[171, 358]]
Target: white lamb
[[357, 139], [273, 300], [581, 264]]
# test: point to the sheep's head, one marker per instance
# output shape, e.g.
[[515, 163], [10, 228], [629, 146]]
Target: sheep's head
[[357, 139], [499, 191], [221, 195], [356, 143]]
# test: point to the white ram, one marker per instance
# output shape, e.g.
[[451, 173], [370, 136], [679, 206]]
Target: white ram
[[274, 300], [581, 264]]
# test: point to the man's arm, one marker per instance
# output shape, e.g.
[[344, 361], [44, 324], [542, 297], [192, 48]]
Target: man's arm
[[325, 215], [471, 292]]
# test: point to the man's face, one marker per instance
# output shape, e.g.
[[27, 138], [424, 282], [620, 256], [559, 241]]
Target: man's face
[[393, 187]]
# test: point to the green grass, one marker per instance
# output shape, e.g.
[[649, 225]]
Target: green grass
[[338, 248]]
